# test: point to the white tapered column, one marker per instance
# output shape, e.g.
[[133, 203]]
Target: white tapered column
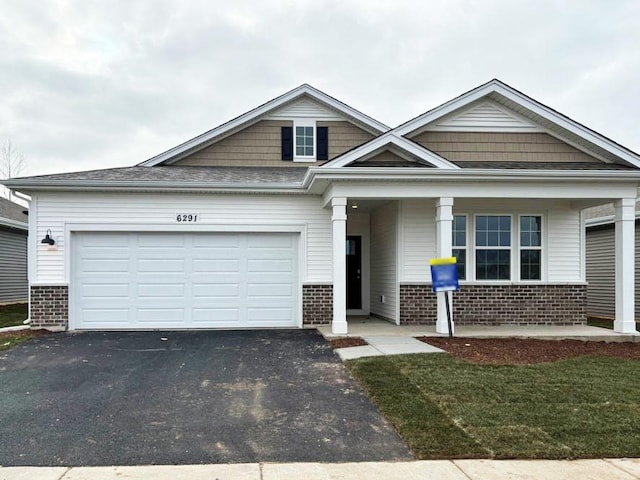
[[444, 242], [625, 265], [339, 227]]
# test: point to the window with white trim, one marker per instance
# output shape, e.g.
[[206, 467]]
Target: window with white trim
[[304, 136], [530, 247], [493, 247], [459, 242]]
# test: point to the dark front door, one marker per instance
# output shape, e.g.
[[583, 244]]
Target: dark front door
[[354, 272]]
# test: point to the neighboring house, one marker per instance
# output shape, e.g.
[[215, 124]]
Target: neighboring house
[[14, 286], [305, 210], [601, 290]]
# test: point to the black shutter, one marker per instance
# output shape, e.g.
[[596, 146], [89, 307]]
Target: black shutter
[[322, 143], [287, 143]]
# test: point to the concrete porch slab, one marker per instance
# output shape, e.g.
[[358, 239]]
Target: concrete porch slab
[[371, 326]]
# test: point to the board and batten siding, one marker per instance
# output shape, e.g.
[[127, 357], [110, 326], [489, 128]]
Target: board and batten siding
[[158, 210], [561, 242], [13, 265], [601, 275], [384, 281]]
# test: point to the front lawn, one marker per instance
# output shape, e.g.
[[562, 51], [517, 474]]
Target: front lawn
[[12, 315], [444, 407]]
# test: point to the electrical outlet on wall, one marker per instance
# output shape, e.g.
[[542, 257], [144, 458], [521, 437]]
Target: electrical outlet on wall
[[382, 299]]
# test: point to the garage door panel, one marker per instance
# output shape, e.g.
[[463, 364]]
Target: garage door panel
[[178, 280], [160, 290], [105, 265], [216, 291], [270, 290], [160, 315], [160, 265], [212, 266], [266, 265], [227, 315], [106, 315], [102, 290]]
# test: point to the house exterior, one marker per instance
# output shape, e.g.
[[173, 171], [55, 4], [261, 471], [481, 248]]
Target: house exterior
[[304, 211], [14, 286], [600, 250]]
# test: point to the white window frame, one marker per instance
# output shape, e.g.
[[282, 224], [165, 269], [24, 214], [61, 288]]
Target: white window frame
[[541, 248], [512, 267], [304, 122], [466, 248]]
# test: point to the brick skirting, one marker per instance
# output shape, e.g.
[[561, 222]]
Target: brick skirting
[[499, 305], [49, 307], [317, 304]]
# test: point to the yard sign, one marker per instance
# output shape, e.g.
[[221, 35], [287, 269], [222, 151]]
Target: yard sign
[[444, 278]]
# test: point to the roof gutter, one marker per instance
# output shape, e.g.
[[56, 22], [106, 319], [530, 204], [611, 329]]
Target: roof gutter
[[120, 185], [466, 174], [7, 222]]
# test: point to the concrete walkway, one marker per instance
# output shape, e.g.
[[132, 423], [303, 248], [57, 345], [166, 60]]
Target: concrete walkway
[[610, 469], [386, 345]]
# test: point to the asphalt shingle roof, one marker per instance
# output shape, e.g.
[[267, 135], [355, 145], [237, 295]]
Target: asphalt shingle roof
[[214, 175], [12, 211], [544, 165]]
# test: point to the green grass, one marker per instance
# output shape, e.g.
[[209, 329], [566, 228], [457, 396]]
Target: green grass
[[15, 314], [10, 339], [446, 408]]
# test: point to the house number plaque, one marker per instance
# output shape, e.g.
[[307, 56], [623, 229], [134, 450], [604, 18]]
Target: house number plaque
[[186, 217]]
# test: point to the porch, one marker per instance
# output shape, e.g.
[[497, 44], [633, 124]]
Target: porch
[[359, 326]]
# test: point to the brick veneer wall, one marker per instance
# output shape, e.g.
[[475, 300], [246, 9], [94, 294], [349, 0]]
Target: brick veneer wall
[[317, 304], [50, 306], [499, 304]]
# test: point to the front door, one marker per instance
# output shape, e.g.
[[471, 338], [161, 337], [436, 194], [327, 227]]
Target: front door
[[354, 272]]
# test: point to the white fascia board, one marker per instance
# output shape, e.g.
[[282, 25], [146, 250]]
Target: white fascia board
[[526, 102], [262, 110], [7, 222], [380, 143]]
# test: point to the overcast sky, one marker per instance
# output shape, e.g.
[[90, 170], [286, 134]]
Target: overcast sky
[[99, 84]]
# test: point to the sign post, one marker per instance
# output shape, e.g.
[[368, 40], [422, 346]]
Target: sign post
[[444, 278]]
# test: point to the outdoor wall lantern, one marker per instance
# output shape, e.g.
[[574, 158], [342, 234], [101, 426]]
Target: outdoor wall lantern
[[47, 239]]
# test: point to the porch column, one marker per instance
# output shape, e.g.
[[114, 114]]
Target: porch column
[[339, 227], [444, 241], [625, 272]]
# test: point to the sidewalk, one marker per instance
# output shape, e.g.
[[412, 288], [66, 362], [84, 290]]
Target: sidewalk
[[610, 469]]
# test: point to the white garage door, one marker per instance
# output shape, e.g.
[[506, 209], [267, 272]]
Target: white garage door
[[178, 280]]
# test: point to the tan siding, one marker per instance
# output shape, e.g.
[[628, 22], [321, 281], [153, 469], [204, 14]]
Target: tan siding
[[259, 146], [343, 136], [256, 146], [490, 146]]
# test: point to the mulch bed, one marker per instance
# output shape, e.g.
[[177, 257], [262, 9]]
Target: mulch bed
[[344, 342], [501, 351]]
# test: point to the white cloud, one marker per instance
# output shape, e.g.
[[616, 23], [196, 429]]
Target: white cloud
[[92, 84]]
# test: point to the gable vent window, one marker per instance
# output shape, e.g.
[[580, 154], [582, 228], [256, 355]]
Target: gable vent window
[[304, 142]]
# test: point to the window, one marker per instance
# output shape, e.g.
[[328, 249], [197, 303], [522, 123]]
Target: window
[[493, 247], [530, 247], [304, 141], [459, 251]]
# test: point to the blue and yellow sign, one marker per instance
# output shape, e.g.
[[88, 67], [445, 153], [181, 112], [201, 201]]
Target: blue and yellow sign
[[444, 274]]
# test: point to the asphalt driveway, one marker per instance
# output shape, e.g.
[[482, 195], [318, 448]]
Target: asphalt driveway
[[135, 398]]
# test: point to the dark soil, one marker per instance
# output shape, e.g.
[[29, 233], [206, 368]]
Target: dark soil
[[502, 351], [344, 342]]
